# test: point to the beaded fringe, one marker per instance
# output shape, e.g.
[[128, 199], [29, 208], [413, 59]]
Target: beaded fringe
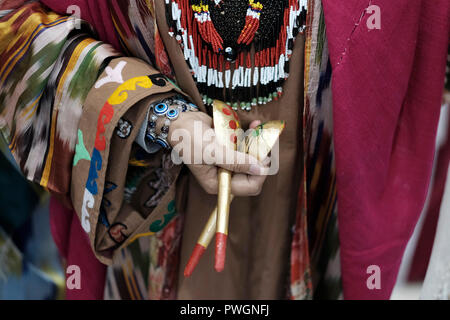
[[231, 76]]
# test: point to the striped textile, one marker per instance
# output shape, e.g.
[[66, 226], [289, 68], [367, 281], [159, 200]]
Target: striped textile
[[48, 67], [138, 34]]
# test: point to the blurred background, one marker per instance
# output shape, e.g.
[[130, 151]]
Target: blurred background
[[30, 266]]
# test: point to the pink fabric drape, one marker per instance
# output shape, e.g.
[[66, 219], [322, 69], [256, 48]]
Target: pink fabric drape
[[73, 245], [97, 13], [387, 90], [422, 255]]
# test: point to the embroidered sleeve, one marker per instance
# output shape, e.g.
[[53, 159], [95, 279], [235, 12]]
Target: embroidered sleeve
[[119, 191], [70, 109]]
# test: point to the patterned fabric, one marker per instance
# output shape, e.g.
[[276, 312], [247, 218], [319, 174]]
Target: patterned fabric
[[138, 32], [317, 198], [49, 67], [139, 36], [301, 287], [147, 268], [127, 279], [321, 171]]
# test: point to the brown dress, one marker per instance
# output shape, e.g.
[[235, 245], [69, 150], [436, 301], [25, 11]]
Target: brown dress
[[258, 252]]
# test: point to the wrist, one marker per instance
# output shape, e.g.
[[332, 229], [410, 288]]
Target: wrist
[[163, 115]]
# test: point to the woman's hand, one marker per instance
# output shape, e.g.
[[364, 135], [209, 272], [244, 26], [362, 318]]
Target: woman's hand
[[192, 135]]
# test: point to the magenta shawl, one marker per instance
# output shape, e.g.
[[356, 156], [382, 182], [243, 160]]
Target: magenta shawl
[[97, 13], [387, 90]]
